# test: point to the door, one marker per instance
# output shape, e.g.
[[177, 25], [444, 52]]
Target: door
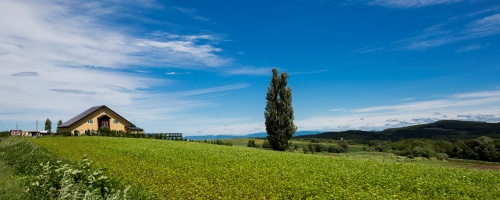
[[104, 121]]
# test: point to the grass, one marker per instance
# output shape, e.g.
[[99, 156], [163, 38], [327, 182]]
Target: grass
[[11, 186], [180, 170]]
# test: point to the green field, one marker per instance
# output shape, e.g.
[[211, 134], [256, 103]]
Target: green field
[[185, 170]]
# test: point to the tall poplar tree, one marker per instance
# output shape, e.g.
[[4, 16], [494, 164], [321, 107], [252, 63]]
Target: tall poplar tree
[[279, 112], [48, 125]]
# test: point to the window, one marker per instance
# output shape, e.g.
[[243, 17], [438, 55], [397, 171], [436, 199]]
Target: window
[[104, 124], [115, 121], [90, 121]]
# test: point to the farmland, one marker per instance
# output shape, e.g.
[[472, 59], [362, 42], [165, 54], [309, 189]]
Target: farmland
[[179, 170], [299, 143]]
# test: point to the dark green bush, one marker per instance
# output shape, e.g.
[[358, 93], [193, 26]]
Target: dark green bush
[[251, 143], [4, 134], [266, 145]]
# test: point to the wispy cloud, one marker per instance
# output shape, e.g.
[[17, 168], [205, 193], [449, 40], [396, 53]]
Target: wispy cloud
[[455, 29], [25, 74], [480, 94], [458, 100], [192, 12], [407, 99], [470, 48], [177, 73], [486, 26], [186, 53], [368, 49], [402, 4], [258, 71], [209, 90], [71, 91], [442, 34]]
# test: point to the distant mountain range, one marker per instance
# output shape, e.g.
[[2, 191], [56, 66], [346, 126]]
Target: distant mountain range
[[253, 135], [443, 130]]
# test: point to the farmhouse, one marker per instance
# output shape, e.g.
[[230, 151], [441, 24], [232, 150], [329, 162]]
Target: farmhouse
[[95, 118]]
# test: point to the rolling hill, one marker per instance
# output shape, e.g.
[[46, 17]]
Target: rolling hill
[[444, 130]]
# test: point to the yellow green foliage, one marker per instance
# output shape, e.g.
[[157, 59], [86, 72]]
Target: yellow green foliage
[[185, 170]]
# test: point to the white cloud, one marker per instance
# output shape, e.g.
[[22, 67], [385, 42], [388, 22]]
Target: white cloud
[[480, 117], [476, 106], [407, 99], [411, 3], [249, 71], [183, 53], [177, 73], [59, 58], [44, 32]]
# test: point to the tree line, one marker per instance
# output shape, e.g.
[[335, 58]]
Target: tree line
[[481, 148]]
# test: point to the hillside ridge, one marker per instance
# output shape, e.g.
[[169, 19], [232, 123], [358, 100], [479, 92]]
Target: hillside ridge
[[443, 130]]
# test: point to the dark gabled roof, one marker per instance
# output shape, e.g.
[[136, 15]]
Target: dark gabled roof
[[86, 113]]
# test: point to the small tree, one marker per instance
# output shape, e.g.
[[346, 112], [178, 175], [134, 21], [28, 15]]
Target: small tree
[[48, 126], [58, 124], [251, 143], [344, 145], [279, 112]]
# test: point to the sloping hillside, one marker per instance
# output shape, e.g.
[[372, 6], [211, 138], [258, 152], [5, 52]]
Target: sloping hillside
[[189, 170], [445, 130]]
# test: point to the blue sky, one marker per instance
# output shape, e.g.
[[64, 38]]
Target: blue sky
[[203, 67]]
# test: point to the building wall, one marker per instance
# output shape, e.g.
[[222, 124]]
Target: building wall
[[83, 125]]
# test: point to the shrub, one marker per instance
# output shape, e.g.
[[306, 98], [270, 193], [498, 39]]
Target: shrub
[[344, 145], [251, 143], [4, 134], [292, 146], [442, 156], [305, 149], [266, 145], [58, 180], [335, 149], [104, 131], [316, 140]]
